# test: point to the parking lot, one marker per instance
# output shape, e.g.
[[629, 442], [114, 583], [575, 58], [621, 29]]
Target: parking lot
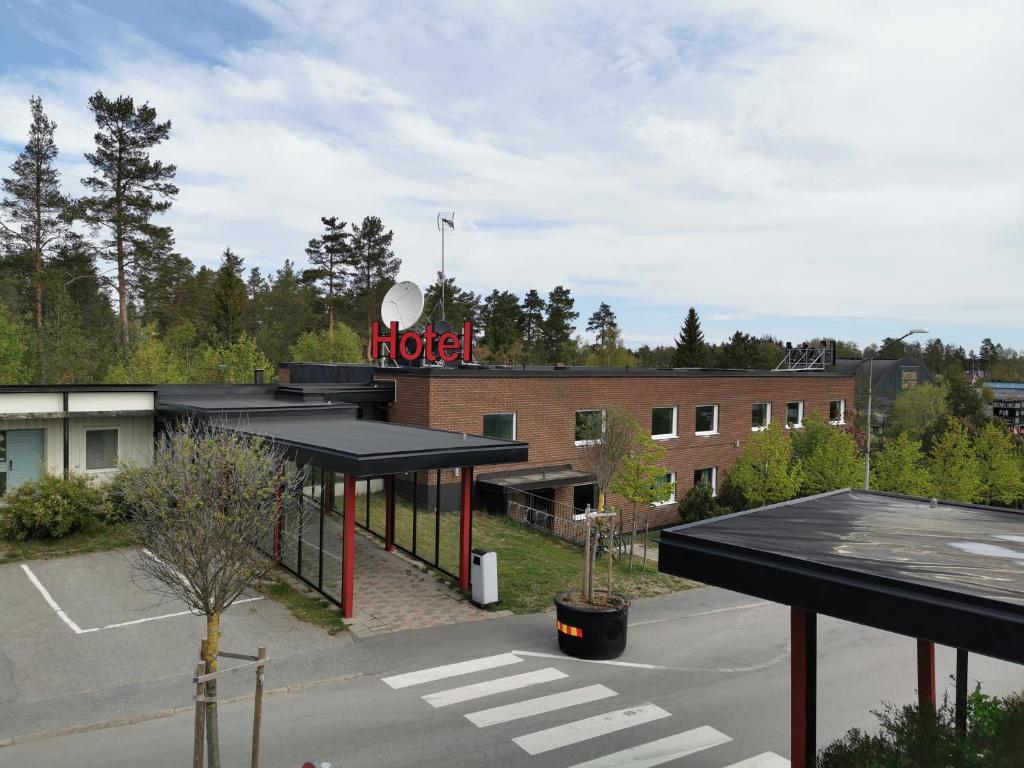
[[86, 639]]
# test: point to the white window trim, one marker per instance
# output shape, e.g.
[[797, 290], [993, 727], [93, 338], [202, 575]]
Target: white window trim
[[604, 422], [672, 500], [842, 412], [762, 429], [800, 420], [85, 449], [515, 422], [714, 430], [714, 479], [675, 423]]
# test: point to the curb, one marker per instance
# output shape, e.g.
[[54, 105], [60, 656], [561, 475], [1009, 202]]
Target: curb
[[161, 713]]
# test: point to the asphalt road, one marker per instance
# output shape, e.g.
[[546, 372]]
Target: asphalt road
[[718, 679]]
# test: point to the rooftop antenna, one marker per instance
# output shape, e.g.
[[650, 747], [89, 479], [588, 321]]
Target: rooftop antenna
[[444, 221]]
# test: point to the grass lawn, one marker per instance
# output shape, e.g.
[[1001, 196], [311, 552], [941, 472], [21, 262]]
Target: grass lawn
[[314, 610], [103, 538]]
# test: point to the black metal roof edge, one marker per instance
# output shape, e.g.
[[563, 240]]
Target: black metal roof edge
[[293, 408], [745, 512], [520, 470], [28, 388], [941, 502], [587, 372]]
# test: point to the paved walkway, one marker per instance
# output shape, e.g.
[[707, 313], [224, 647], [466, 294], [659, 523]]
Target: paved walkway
[[393, 592]]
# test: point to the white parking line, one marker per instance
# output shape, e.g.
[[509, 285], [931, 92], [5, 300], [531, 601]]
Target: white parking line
[[661, 751], [764, 760], [166, 616], [451, 670], [539, 706], [491, 687], [53, 603], [589, 728]]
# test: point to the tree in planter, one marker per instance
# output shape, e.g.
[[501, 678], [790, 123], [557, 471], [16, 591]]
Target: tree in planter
[[208, 498], [607, 443], [641, 481]]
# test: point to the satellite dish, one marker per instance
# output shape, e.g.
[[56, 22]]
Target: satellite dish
[[402, 304]]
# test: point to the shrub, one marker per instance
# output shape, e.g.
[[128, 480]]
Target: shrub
[[115, 508], [50, 508], [699, 504]]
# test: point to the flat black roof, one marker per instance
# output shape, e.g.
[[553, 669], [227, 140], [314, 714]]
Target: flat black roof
[[241, 404], [369, 448], [951, 573], [577, 372], [531, 478]]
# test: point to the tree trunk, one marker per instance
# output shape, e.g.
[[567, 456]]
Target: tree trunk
[[586, 560], [611, 532], [212, 734]]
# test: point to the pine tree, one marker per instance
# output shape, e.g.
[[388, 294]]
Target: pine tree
[[128, 187], [558, 327], [461, 306], [502, 319], [601, 323], [289, 308], [532, 325], [329, 254], [13, 351], [229, 297], [899, 468], [954, 469], [1001, 480], [691, 351], [162, 282], [373, 268], [33, 212]]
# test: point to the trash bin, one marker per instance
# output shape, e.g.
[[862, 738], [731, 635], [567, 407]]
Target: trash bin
[[483, 576]]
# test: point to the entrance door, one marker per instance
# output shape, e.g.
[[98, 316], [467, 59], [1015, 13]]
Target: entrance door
[[24, 456]]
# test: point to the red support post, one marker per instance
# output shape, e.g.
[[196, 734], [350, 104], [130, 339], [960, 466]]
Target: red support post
[[926, 696], [465, 527], [803, 687], [389, 513], [348, 558]]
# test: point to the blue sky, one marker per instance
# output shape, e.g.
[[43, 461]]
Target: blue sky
[[793, 168]]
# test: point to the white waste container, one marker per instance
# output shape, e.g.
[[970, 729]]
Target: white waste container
[[483, 575]]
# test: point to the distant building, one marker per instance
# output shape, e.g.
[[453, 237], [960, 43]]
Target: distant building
[[889, 378], [1008, 403]]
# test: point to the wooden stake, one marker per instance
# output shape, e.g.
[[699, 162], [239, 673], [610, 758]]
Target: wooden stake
[[586, 560], [611, 545], [257, 709], [200, 725]]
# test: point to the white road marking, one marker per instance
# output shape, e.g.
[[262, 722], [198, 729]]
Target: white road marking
[[764, 760], [490, 687], [589, 728], [633, 664], [662, 751], [166, 616], [53, 603], [539, 705], [712, 612], [168, 566], [451, 670]]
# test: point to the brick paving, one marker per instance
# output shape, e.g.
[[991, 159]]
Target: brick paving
[[394, 593]]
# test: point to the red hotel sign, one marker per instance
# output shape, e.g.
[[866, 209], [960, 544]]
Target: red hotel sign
[[430, 345]]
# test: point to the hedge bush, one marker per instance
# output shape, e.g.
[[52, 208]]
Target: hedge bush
[[699, 504], [911, 738], [50, 508]]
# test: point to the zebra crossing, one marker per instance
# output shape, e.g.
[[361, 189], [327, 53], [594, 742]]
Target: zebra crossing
[[573, 732]]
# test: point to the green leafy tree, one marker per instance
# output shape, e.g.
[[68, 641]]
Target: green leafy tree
[[745, 351], [33, 211], [329, 254], [766, 472], [229, 298], [966, 401], [955, 472], [289, 308], [164, 283], [341, 345], [602, 323], [917, 410], [1000, 469], [641, 480], [900, 467], [827, 455], [128, 187], [13, 351], [691, 351], [610, 353], [372, 266], [233, 363], [558, 323], [150, 361]]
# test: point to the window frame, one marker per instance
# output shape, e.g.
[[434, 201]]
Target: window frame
[[842, 412], [675, 423], [604, 421], [85, 448], [672, 499], [768, 416], [515, 424], [714, 478], [714, 426], [800, 414]]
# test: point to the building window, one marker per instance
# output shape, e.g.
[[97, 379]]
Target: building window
[[795, 414], [760, 416], [707, 420], [501, 425], [663, 422], [670, 485], [707, 475], [837, 411], [100, 449], [589, 426]]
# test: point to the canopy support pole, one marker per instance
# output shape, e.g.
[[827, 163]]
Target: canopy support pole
[[348, 558], [465, 526], [961, 692], [389, 513], [926, 674], [803, 687]]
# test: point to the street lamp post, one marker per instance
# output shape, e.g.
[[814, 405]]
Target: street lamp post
[[871, 381]]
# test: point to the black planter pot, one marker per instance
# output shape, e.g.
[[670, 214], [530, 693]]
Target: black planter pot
[[591, 632]]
